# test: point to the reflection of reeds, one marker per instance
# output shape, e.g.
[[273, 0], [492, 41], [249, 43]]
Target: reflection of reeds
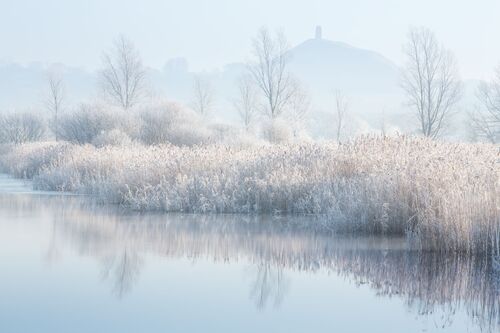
[[424, 279], [445, 196]]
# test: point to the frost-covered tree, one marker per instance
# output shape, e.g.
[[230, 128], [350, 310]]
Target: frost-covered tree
[[246, 102], [123, 76], [55, 98], [485, 121], [203, 96], [431, 81], [270, 72]]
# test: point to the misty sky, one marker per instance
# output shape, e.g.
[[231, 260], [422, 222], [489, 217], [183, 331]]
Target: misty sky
[[211, 33]]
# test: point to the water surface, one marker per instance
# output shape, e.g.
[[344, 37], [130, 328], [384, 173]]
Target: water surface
[[69, 265]]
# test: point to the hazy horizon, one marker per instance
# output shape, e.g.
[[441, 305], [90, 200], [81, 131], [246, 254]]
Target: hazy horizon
[[210, 34]]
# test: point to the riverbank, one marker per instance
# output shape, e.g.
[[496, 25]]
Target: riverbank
[[445, 196]]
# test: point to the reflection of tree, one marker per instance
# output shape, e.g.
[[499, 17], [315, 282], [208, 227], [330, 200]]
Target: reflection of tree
[[53, 253], [123, 269], [269, 282]]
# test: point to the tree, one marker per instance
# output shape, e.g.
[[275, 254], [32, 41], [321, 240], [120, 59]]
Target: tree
[[55, 98], [123, 75], [430, 81], [485, 121], [203, 96], [246, 103], [270, 71], [340, 115], [298, 110]]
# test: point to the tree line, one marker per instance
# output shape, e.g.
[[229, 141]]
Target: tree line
[[268, 90]]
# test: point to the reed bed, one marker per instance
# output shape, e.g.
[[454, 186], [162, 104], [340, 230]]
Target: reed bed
[[442, 196]]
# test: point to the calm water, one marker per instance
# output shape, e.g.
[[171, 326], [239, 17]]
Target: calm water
[[67, 265]]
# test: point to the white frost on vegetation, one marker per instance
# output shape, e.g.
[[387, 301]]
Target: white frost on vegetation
[[444, 195]]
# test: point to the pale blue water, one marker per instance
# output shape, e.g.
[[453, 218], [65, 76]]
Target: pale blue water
[[67, 265]]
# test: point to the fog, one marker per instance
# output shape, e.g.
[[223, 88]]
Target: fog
[[213, 33], [359, 52]]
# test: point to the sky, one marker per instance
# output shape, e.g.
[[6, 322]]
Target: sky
[[212, 33]]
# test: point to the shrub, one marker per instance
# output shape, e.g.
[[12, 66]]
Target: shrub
[[172, 123], [19, 128], [114, 137], [277, 131], [85, 123]]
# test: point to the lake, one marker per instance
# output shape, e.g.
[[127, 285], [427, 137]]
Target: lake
[[68, 264]]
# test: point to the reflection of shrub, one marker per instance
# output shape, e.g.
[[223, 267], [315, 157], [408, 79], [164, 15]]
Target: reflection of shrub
[[115, 137], [172, 123], [21, 127]]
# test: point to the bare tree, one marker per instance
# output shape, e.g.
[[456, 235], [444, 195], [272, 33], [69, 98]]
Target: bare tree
[[298, 110], [270, 71], [485, 121], [246, 103], [123, 75], [55, 98], [430, 81], [340, 115], [203, 96]]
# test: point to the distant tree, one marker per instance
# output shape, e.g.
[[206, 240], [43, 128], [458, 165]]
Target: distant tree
[[246, 102], [485, 121], [431, 81], [203, 96], [340, 115], [298, 110], [55, 98], [123, 75], [270, 71]]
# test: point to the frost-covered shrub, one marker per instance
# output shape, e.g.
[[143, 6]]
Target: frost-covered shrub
[[114, 137], [85, 123], [21, 127], [231, 136], [26, 161], [277, 131], [172, 123]]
